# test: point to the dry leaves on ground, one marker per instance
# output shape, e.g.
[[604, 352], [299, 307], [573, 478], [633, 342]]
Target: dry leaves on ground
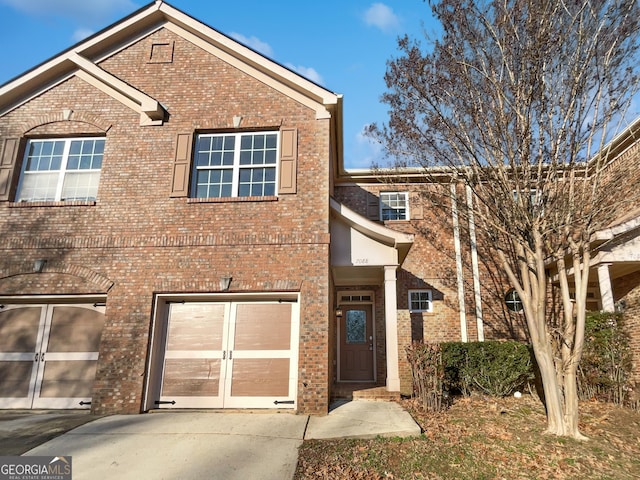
[[486, 438]]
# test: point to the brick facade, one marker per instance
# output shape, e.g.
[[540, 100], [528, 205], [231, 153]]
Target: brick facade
[[139, 240], [135, 241], [432, 264]]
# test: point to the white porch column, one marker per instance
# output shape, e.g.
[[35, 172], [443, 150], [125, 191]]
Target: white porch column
[[391, 328], [606, 294]]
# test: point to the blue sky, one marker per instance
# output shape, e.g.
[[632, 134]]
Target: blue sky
[[344, 46]]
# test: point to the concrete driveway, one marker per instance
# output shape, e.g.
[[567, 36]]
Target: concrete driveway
[[178, 445], [183, 445]]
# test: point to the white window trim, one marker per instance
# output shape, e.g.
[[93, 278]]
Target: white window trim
[[406, 203], [512, 299], [236, 167], [422, 290], [62, 172]]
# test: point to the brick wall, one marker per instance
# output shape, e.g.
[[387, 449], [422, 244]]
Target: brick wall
[[135, 240], [626, 291], [430, 264]]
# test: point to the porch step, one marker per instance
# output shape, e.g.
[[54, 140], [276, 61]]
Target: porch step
[[376, 393], [363, 392]]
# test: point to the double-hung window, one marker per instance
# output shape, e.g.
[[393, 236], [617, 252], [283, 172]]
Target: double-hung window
[[394, 206], [420, 301], [61, 169], [235, 165]]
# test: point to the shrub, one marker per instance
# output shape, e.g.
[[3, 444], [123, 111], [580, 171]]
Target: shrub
[[427, 372], [493, 368], [605, 368]]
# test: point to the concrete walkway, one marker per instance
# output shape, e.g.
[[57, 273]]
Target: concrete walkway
[[363, 419], [214, 445]]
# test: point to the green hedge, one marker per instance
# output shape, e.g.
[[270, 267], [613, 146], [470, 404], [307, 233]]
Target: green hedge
[[501, 368], [493, 368]]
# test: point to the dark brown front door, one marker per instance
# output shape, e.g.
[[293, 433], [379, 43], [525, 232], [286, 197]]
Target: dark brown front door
[[356, 344]]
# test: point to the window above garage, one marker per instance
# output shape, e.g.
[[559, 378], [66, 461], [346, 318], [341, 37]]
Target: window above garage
[[61, 169], [245, 165], [235, 165]]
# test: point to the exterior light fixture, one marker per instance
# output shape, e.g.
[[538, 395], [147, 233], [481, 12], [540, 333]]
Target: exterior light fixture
[[225, 283], [39, 264], [338, 312]]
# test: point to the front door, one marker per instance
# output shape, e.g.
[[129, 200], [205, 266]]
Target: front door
[[356, 344], [48, 355]]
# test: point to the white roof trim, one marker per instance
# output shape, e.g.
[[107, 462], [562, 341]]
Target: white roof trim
[[246, 55], [146, 20], [150, 109], [610, 233], [371, 229], [239, 63]]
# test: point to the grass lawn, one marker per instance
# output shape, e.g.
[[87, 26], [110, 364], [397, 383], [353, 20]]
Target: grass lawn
[[486, 438]]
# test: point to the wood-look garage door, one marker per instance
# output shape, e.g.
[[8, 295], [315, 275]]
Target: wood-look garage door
[[48, 355], [230, 355]]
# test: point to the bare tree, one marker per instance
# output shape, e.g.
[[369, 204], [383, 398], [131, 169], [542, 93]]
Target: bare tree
[[518, 99]]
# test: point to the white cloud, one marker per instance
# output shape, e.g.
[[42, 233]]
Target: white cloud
[[82, 33], [254, 43], [307, 72], [365, 152], [381, 16], [91, 12]]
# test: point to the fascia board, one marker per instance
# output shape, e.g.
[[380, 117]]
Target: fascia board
[[261, 75], [146, 20], [144, 103], [145, 119], [371, 229], [245, 55], [138, 24], [612, 232]]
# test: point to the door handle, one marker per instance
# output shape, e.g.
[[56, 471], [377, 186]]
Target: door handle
[[371, 346]]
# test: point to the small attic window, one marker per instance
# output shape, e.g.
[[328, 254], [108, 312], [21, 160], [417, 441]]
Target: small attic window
[[161, 53]]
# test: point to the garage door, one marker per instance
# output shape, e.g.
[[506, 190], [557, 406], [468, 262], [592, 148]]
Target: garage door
[[48, 355], [230, 355]]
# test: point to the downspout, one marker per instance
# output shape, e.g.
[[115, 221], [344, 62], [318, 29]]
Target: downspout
[[474, 266], [459, 273]]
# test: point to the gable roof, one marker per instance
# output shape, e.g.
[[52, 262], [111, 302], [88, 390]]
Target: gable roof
[[83, 58]]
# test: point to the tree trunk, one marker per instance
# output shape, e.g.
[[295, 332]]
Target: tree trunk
[[571, 404], [553, 396]]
